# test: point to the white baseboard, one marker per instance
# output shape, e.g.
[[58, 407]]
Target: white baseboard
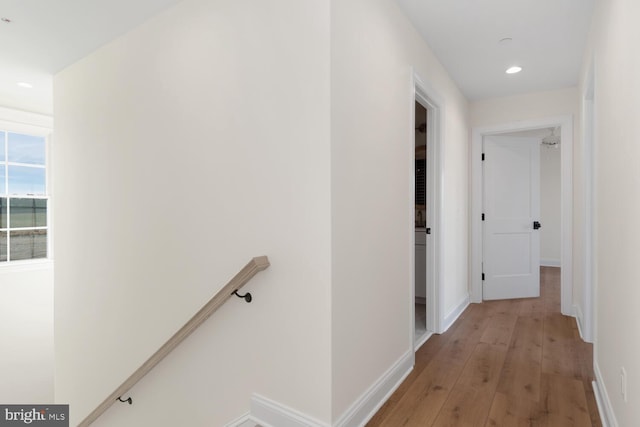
[[369, 403], [268, 413], [605, 409], [577, 313], [244, 421], [454, 314], [550, 263]]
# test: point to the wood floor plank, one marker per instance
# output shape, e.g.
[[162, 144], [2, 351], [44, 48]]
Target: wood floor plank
[[585, 351], [507, 410], [560, 354], [458, 412], [531, 306], [470, 400], [521, 373], [420, 404], [592, 405], [508, 363], [423, 356], [500, 328], [482, 370], [565, 404]]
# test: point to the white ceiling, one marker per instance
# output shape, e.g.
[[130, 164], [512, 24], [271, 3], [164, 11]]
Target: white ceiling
[[549, 38], [45, 36]]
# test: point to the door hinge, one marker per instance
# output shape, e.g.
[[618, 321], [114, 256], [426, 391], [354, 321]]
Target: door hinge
[[482, 276], [482, 156], [483, 217]]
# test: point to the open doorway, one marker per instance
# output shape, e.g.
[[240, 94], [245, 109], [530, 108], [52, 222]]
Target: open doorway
[[425, 296], [563, 127], [521, 211], [427, 234], [421, 136]]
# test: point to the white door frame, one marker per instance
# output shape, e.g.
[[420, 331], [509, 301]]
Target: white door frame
[[424, 93], [566, 204], [586, 314]]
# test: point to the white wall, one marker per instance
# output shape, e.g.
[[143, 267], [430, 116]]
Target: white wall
[[529, 106], [613, 47], [373, 47], [187, 146], [26, 305], [26, 334], [225, 106], [550, 189]]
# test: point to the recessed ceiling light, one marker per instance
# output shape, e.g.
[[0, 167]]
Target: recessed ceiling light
[[25, 85], [514, 70]]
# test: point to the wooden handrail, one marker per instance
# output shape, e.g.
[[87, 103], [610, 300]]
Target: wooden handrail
[[254, 266]]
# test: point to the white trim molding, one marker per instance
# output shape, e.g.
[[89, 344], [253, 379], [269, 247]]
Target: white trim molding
[[28, 265], [453, 315], [566, 204], [550, 263], [243, 421], [424, 93], [268, 413], [26, 118], [590, 199], [577, 313], [607, 416], [372, 400]]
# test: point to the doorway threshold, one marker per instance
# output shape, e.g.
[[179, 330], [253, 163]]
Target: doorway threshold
[[421, 337]]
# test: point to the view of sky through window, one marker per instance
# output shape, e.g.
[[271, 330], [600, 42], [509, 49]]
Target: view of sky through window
[[23, 158], [26, 180], [26, 149]]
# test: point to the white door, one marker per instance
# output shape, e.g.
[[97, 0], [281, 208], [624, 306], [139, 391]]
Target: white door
[[511, 241]]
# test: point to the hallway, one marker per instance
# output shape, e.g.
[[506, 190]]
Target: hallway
[[503, 363]]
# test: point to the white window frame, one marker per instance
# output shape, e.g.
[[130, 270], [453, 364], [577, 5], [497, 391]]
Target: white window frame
[[13, 121]]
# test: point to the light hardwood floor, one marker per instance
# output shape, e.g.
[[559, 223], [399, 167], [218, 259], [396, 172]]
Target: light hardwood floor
[[503, 363]]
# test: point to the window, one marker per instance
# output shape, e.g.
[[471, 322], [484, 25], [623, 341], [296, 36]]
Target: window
[[23, 197]]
